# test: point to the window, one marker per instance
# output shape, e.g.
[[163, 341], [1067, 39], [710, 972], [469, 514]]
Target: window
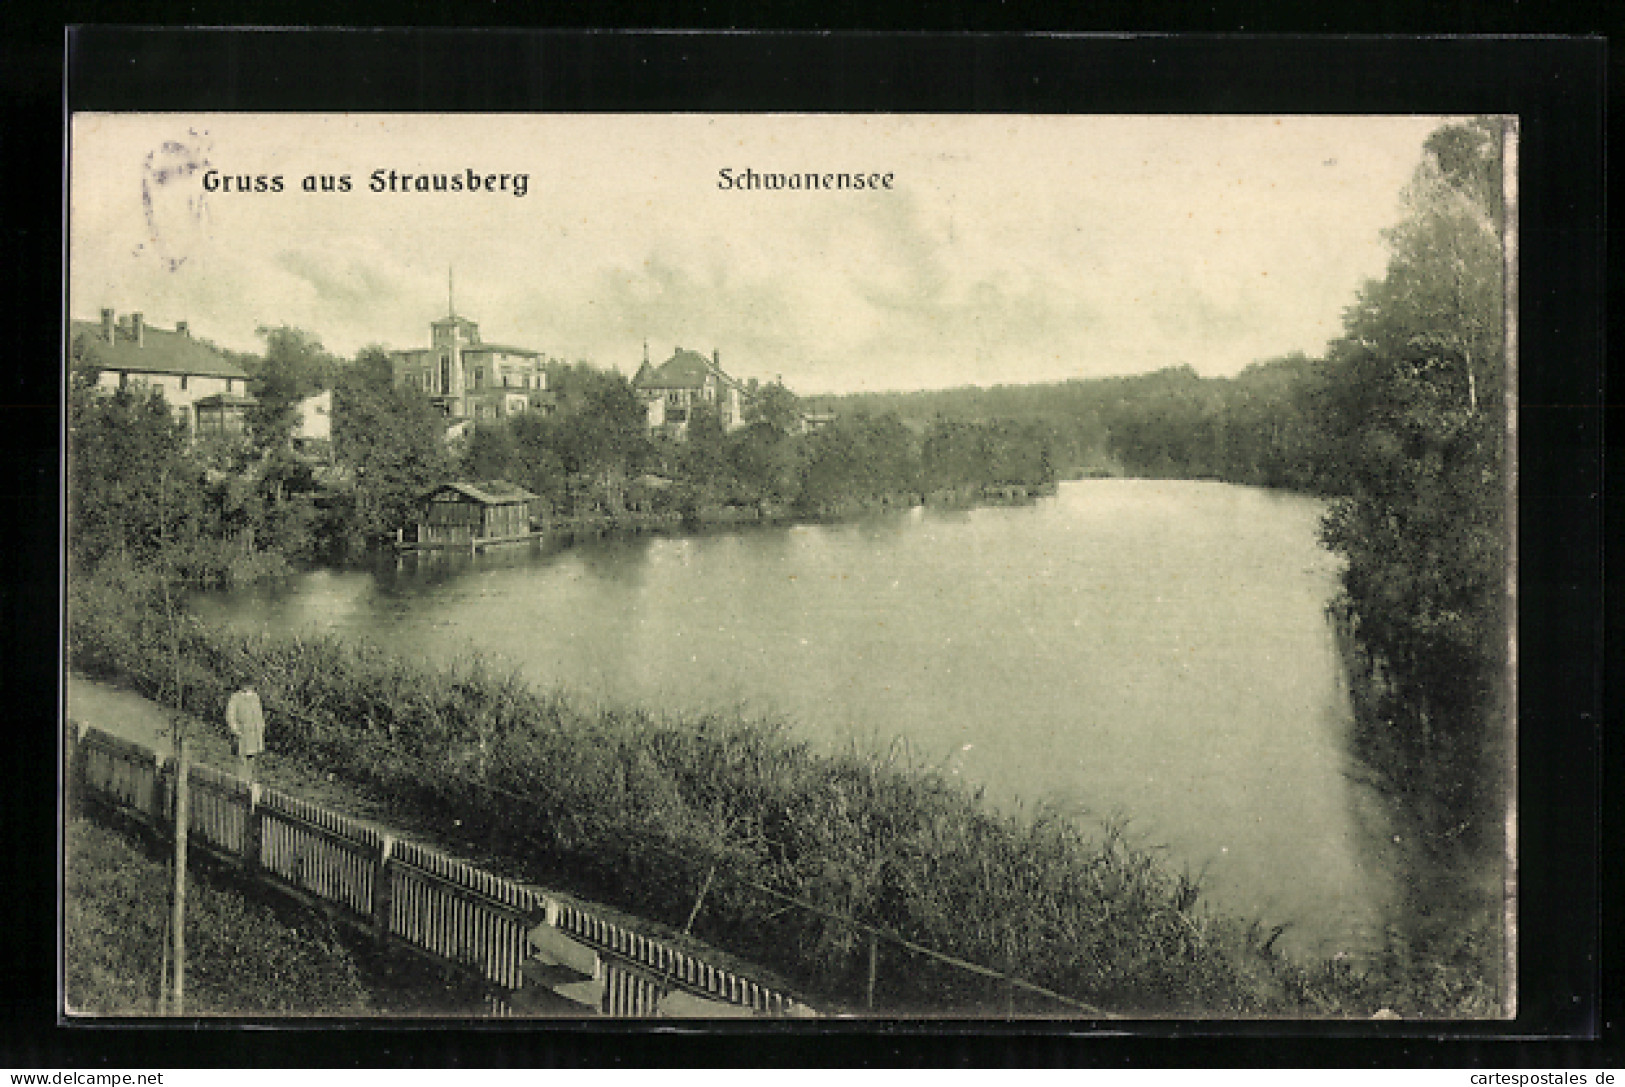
[[183, 382]]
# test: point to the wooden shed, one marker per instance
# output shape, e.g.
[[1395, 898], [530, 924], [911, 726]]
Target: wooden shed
[[472, 515]]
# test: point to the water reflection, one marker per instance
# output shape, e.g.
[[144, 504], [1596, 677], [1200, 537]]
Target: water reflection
[[1156, 650]]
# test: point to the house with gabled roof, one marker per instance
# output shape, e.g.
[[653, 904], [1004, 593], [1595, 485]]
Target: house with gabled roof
[[205, 387], [671, 391]]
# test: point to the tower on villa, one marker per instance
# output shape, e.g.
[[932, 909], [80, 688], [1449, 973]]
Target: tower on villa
[[468, 378]]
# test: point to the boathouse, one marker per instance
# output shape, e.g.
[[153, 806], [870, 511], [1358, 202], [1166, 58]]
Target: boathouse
[[471, 515]]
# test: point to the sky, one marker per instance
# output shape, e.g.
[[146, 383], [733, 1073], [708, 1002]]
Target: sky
[[1009, 249]]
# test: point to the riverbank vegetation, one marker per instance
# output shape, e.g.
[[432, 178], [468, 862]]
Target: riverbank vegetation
[[226, 512], [712, 821], [1401, 425]]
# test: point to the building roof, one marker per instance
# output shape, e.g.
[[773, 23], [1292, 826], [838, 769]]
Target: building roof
[[162, 351], [472, 349], [684, 370], [495, 492]]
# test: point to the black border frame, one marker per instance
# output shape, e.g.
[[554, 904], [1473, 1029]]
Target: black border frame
[[1555, 86]]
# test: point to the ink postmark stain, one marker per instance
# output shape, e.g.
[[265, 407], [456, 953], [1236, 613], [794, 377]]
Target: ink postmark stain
[[172, 200]]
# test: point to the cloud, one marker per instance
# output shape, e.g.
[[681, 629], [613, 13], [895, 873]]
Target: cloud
[[1013, 249], [672, 300], [345, 287], [1189, 314]]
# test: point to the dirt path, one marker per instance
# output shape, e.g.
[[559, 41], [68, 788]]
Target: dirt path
[[135, 717], [123, 713]]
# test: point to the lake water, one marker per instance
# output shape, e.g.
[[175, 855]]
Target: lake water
[[1149, 650]]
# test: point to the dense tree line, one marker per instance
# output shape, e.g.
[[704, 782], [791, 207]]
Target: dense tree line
[[244, 505], [1402, 424], [224, 509], [1258, 427], [1415, 425], [595, 457], [214, 511]]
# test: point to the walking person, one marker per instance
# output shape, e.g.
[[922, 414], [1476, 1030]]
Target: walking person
[[245, 717]]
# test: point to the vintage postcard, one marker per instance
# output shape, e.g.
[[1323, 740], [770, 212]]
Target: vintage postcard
[[790, 566]]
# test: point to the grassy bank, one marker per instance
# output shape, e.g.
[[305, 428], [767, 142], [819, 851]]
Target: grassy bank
[[695, 819], [243, 957]]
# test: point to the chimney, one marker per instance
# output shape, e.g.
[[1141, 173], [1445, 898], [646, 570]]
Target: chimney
[[138, 329], [107, 325], [182, 328], [716, 358]]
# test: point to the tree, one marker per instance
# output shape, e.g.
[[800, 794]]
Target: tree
[[858, 458], [132, 488], [392, 442], [491, 452], [774, 406], [600, 437], [705, 459], [1413, 413], [295, 366]]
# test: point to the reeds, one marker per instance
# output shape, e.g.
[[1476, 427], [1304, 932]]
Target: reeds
[[641, 810]]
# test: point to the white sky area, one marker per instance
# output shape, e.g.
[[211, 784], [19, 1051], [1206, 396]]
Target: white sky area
[[1012, 249]]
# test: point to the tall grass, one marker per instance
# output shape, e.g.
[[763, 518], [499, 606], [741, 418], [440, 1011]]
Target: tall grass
[[641, 810], [243, 957]]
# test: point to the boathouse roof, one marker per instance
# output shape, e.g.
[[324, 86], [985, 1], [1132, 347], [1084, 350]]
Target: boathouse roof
[[495, 492]]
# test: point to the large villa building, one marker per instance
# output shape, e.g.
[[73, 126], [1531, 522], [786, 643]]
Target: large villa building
[[471, 379], [672, 390], [206, 389]]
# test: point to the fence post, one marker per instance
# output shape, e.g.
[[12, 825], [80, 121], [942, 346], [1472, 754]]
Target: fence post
[[160, 805], [73, 775], [177, 904], [253, 829], [382, 889], [874, 963]]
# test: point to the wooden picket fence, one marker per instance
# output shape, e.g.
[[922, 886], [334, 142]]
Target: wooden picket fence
[[409, 895]]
